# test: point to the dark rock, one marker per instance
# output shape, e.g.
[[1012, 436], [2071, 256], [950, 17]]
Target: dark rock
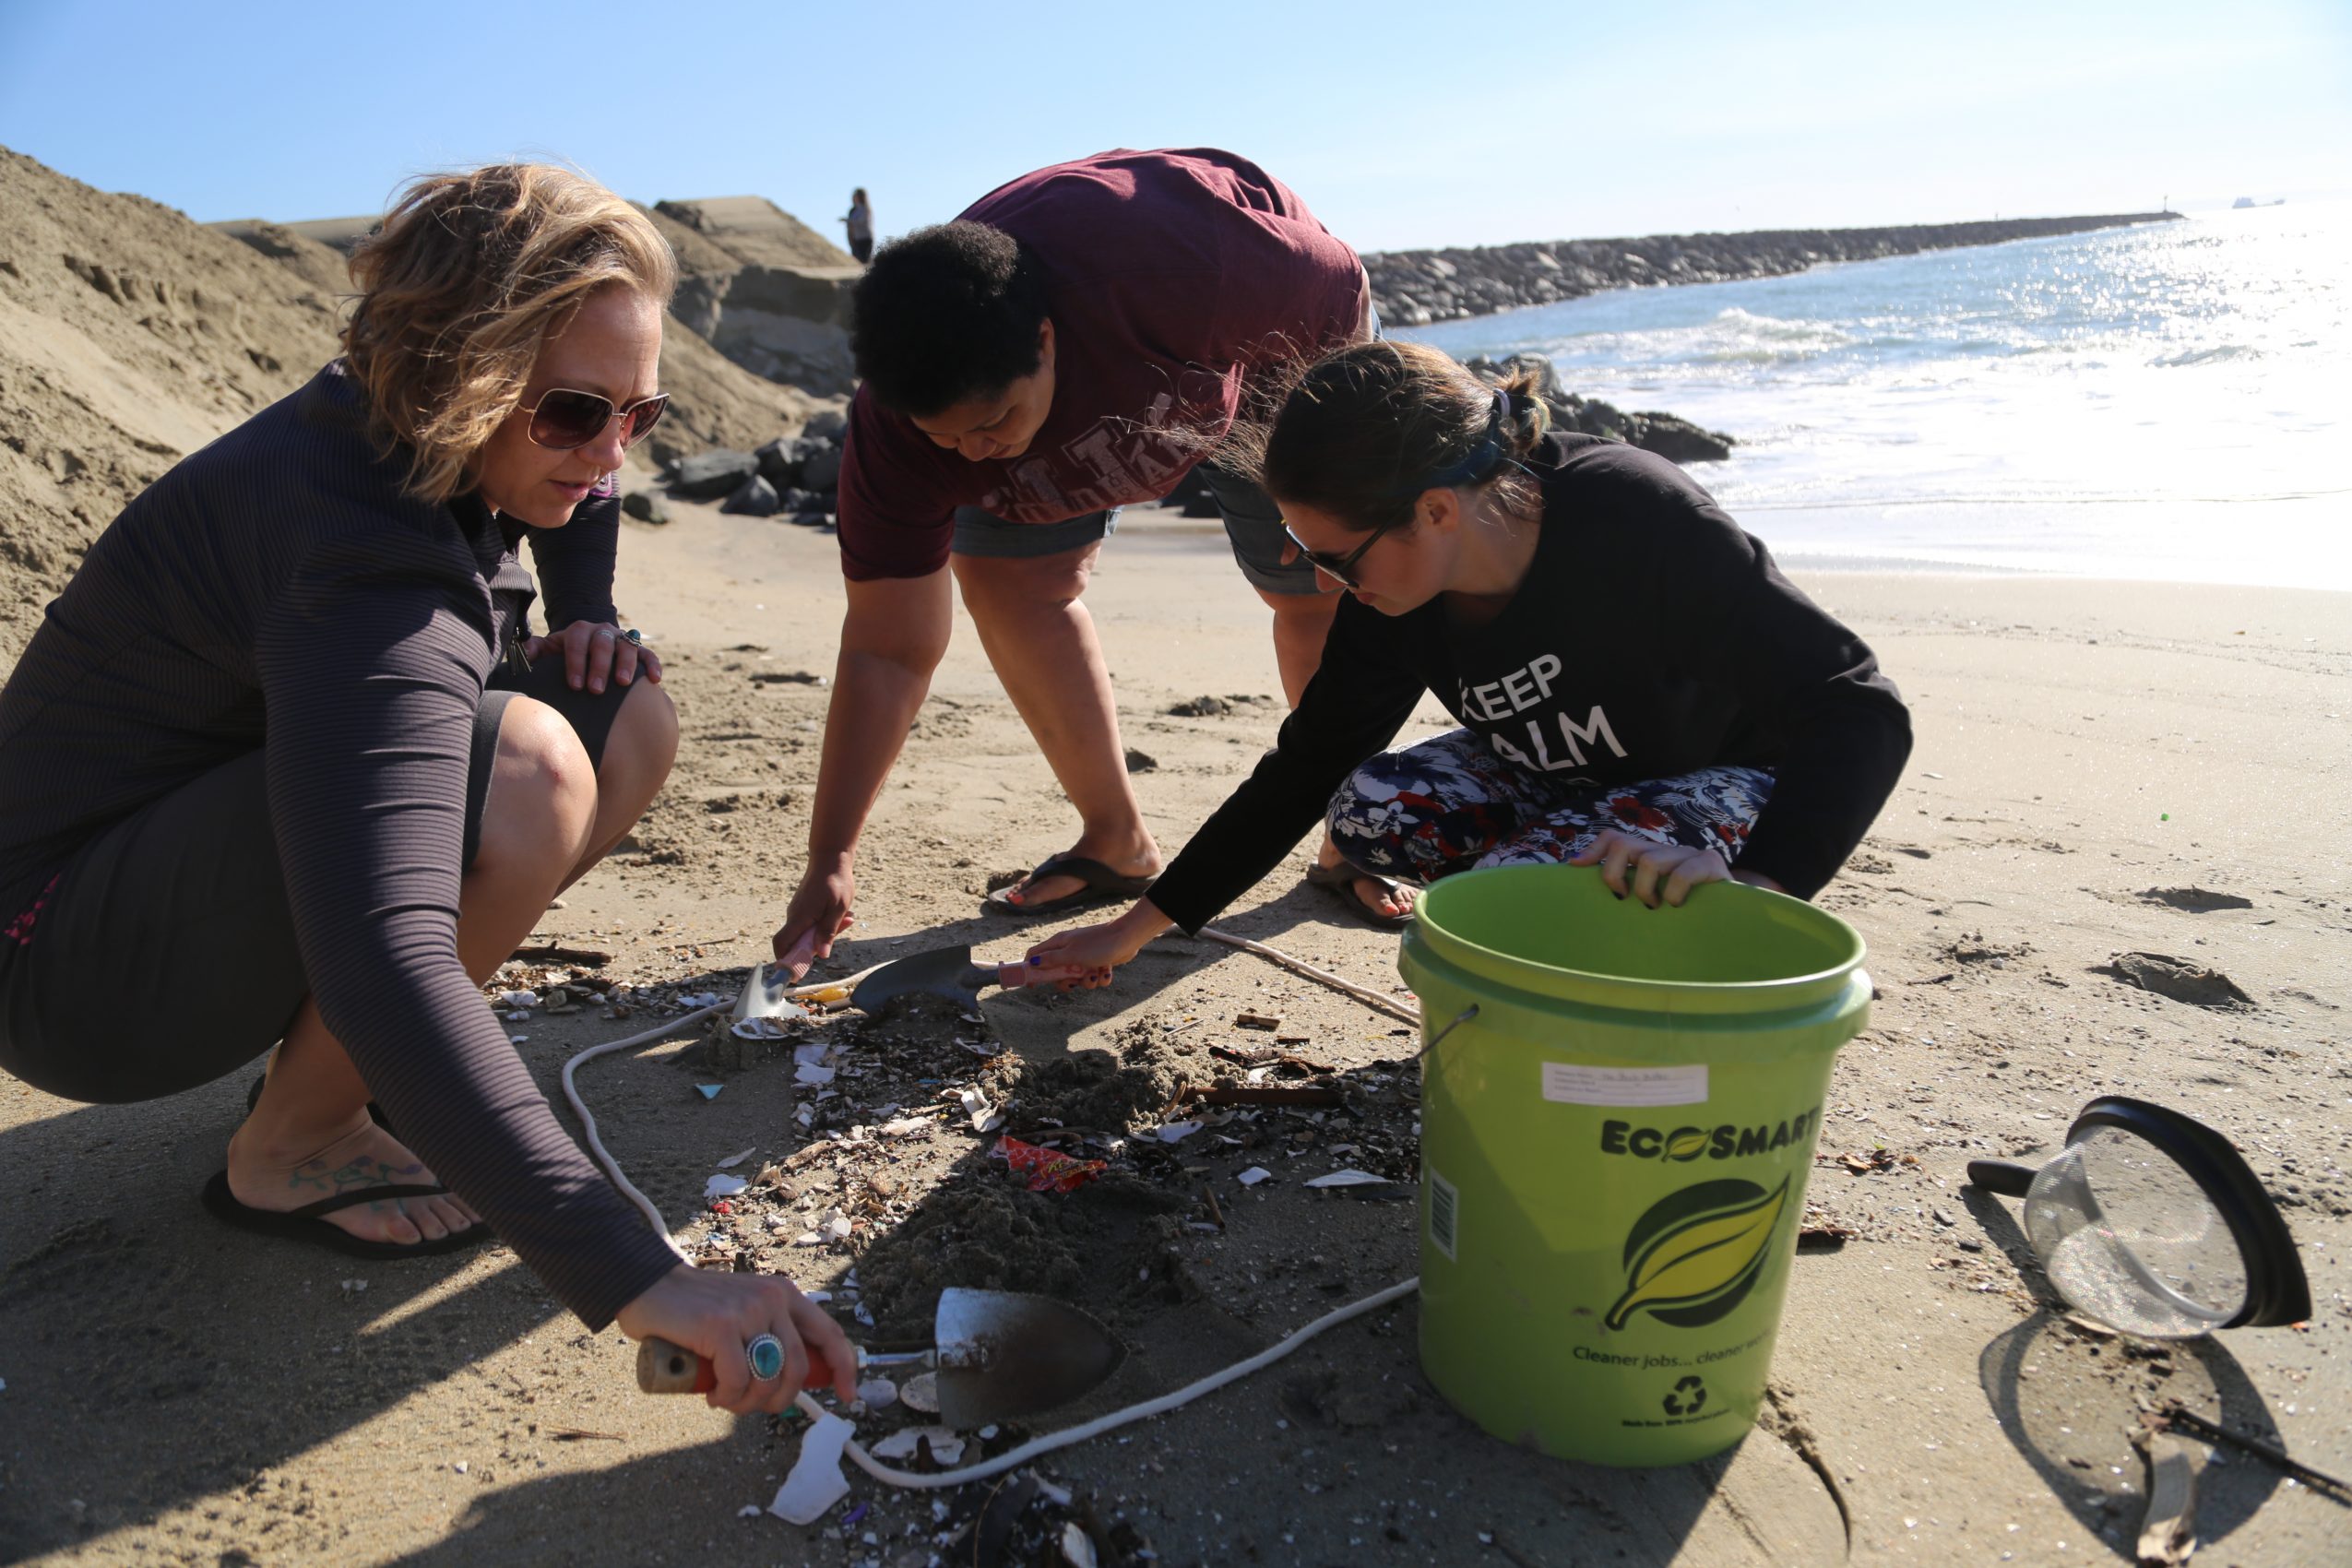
[[797, 501], [780, 462], [827, 425], [1140, 762], [709, 475], [753, 498], [821, 469], [646, 506], [1202, 707]]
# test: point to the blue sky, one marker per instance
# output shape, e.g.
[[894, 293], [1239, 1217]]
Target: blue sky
[[1401, 125]]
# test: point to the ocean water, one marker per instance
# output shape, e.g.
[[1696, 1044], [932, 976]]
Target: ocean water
[[2171, 401]]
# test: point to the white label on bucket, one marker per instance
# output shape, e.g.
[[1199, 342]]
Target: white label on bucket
[[1572, 1084], [1444, 1209]]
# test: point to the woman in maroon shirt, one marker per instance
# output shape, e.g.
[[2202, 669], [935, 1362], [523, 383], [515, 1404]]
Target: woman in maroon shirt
[[284, 760]]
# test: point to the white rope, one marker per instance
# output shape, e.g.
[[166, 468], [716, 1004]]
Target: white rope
[[1051, 1441]]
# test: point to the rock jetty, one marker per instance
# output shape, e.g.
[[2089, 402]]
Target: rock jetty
[[1416, 288]]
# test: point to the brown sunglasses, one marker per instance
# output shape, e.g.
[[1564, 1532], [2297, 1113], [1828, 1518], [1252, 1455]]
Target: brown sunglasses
[[562, 418]]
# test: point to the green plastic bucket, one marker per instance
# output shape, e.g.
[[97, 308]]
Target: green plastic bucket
[[1614, 1148]]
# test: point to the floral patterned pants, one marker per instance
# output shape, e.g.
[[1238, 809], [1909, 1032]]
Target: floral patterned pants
[[1450, 803]]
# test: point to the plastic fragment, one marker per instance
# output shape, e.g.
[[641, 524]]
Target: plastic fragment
[[518, 999], [879, 1393], [920, 1392], [722, 1187], [1045, 1170], [1175, 1132], [732, 1160], [758, 1028], [709, 1091], [1077, 1547], [905, 1126], [985, 1117], [945, 1446], [1349, 1178], [1254, 1175], [749, 1511], [816, 1482], [812, 1055], [809, 1073]]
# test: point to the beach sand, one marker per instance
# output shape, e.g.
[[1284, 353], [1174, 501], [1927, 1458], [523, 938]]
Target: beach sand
[[179, 1393]]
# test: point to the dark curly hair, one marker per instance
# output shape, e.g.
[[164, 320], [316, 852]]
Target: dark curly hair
[[946, 314]]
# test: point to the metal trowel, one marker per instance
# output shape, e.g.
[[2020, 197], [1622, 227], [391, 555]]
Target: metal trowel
[[999, 1355], [948, 972]]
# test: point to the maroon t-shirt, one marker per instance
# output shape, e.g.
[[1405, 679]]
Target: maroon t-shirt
[[1168, 276]]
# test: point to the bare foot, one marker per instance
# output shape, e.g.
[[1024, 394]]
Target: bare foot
[[361, 1156]]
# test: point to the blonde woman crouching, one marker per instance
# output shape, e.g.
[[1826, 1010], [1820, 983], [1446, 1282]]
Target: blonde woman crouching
[[285, 761]]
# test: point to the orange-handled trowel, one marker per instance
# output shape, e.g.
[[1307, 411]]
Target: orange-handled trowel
[[999, 1354], [947, 972]]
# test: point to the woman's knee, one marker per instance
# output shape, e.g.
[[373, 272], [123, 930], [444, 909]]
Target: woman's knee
[[644, 739], [542, 789]]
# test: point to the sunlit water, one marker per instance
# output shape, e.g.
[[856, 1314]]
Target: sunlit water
[[2167, 401]]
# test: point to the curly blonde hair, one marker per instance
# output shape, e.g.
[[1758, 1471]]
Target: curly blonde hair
[[468, 279]]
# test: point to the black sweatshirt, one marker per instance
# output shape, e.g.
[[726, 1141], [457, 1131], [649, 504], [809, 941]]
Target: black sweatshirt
[[1650, 637], [277, 591]]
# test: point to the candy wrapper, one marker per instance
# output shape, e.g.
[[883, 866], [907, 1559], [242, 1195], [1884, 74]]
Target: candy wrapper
[[1045, 1171]]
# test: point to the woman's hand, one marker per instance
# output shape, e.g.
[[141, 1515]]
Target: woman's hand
[[818, 913], [1640, 866], [1099, 949], [715, 1315], [597, 655]]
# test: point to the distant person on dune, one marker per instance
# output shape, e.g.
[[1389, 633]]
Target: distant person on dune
[[1077, 341], [1636, 684], [859, 221], [284, 765]]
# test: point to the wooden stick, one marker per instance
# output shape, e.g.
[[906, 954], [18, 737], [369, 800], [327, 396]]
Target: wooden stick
[[1370, 998]]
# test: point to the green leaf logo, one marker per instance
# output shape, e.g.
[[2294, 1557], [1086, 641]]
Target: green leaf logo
[[1688, 1144], [1696, 1253]]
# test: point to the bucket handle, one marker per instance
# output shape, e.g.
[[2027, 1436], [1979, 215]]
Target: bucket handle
[[1464, 1016]]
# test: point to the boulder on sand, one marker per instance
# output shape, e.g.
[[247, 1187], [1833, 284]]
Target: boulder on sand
[[753, 498], [706, 476], [644, 507], [820, 464]]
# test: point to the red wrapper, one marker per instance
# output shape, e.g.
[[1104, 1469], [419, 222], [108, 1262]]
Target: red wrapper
[[1044, 1169]]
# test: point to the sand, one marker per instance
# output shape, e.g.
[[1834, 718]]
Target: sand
[[2101, 768]]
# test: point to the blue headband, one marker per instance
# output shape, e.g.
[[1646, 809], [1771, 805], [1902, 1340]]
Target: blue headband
[[1481, 461]]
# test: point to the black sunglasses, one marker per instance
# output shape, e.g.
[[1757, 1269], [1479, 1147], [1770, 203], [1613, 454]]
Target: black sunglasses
[[1338, 568], [564, 419]]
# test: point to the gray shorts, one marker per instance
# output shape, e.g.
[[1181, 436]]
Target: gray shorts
[[165, 957], [1253, 525]]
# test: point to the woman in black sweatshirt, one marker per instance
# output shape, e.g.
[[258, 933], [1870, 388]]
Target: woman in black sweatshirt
[[284, 762], [1636, 684]]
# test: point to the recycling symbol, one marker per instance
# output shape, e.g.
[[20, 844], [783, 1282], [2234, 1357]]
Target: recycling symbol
[[1686, 1398]]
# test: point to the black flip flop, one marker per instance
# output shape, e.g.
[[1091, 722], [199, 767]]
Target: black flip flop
[[304, 1224], [1340, 882], [1101, 885], [375, 1111]]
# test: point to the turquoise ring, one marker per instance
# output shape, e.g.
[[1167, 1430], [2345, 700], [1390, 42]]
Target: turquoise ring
[[765, 1356]]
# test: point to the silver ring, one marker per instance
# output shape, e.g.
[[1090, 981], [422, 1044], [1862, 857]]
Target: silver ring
[[604, 632], [768, 1351]]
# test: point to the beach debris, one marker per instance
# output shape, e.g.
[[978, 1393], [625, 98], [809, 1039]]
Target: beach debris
[[2179, 1415], [1875, 1161], [2194, 899], [722, 1187], [758, 1028], [518, 999], [815, 1483], [879, 1393], [2168, 1527], [1254, 1175], [1177, 1132], [1257, 1021], [1077, 1547], [708, 1091], [1349, 1178], [732, 1160], [985, 1118], [750, 1511], [920, 1392], [813, 1054], [809, 1073], [905, 1126], [1045, 1170], [2181, 980], [947, 1448], [1267, 1094]]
